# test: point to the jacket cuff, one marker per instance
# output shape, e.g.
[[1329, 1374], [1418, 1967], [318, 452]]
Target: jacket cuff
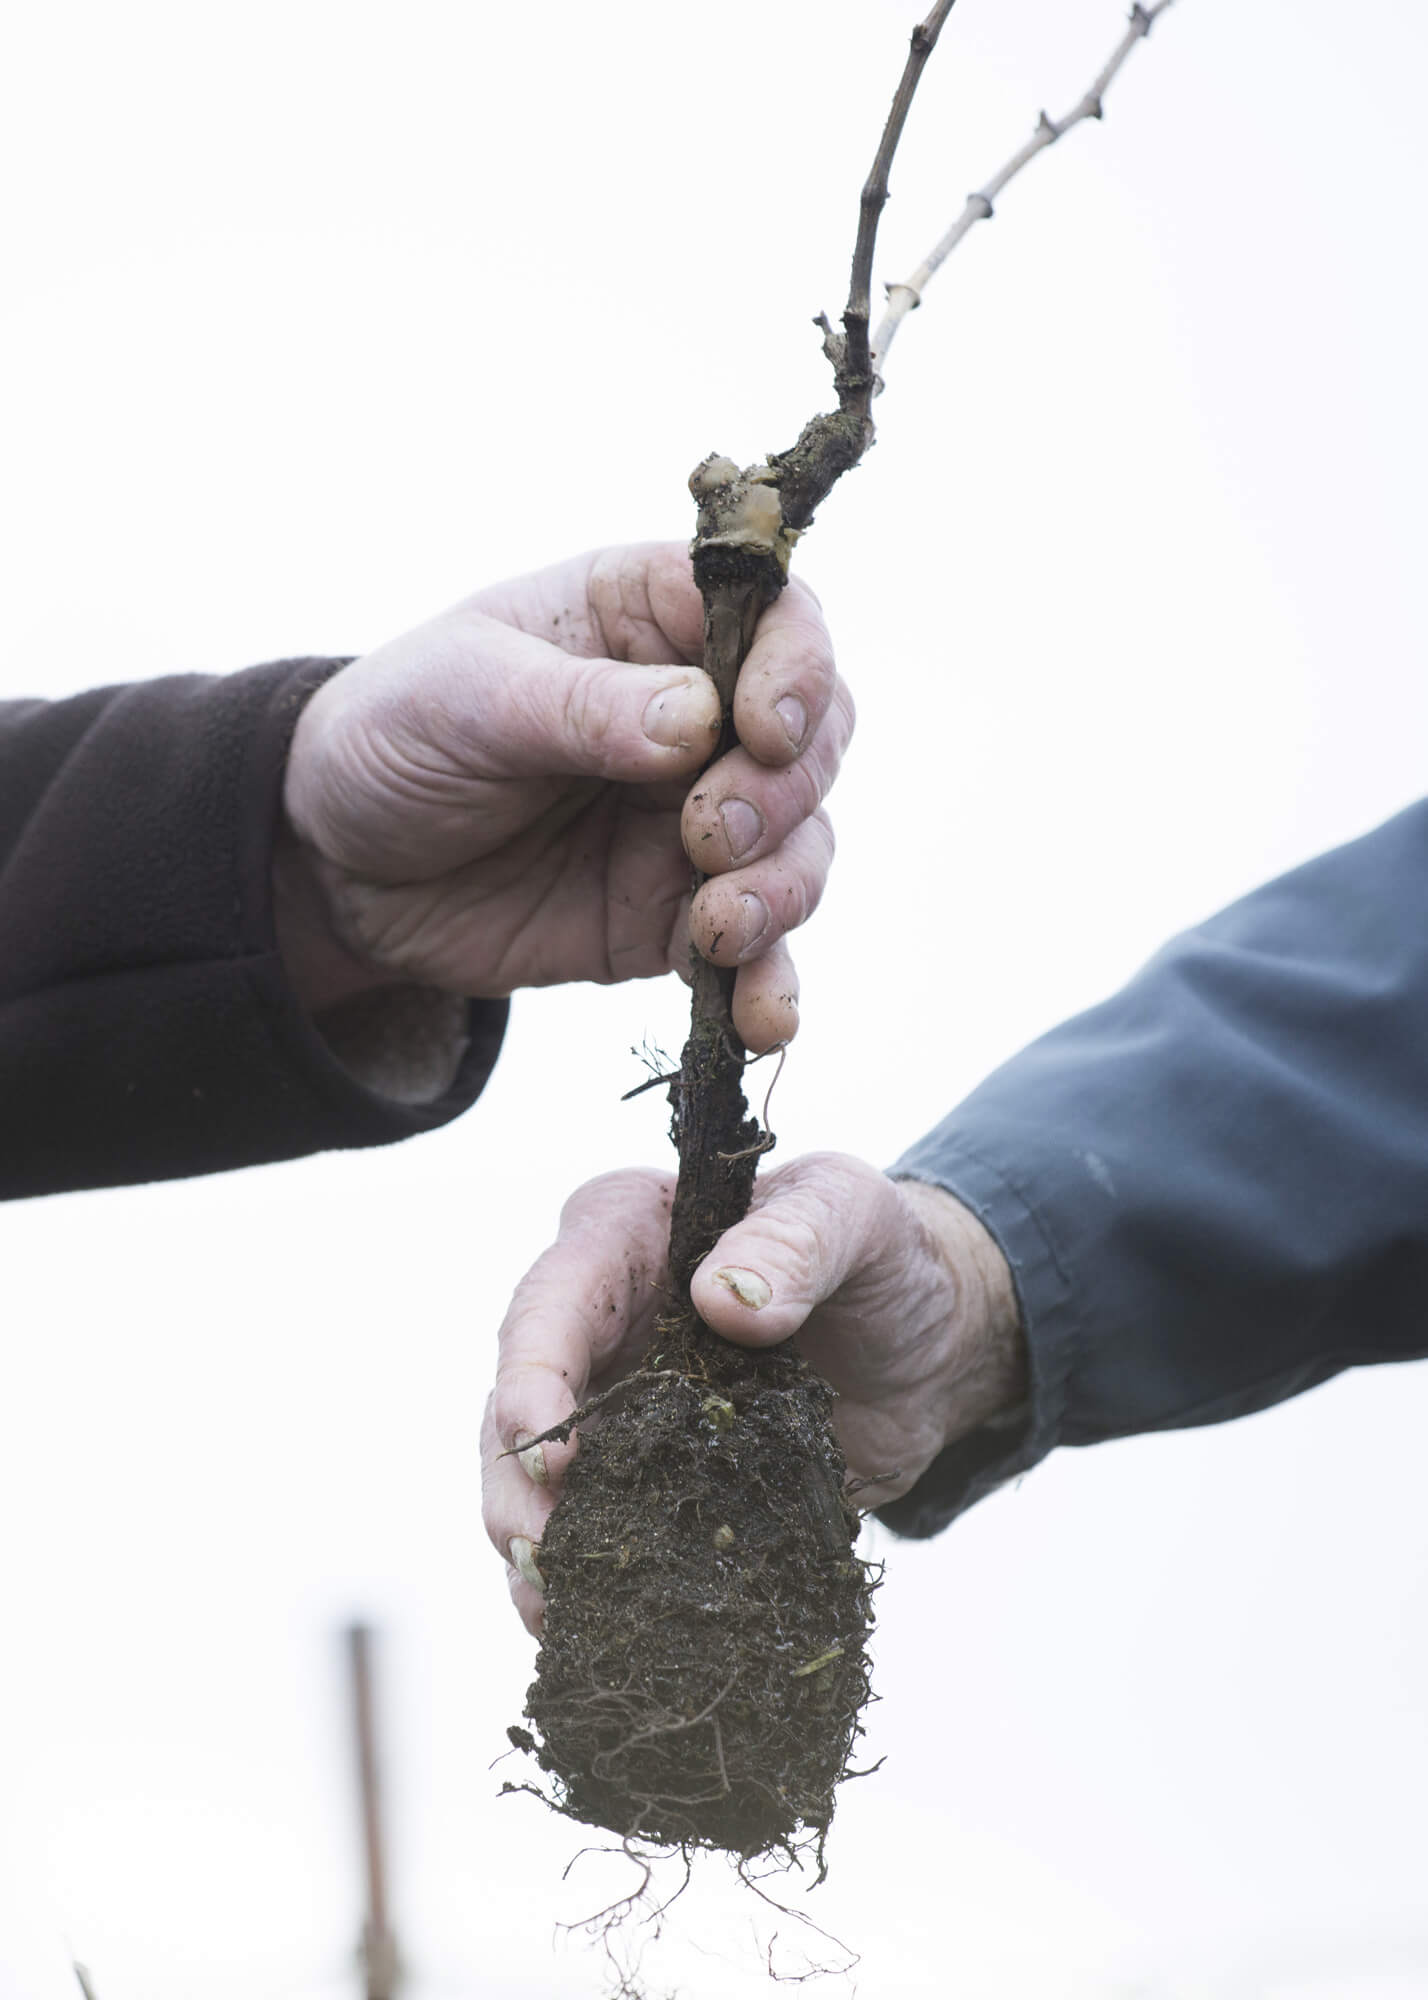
[[148, 1029], [987, 1458]]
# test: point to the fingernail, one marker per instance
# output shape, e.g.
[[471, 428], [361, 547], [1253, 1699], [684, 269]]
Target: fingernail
[[794, 717], [743, 825], [747, 1286], [678, 716], [531, 1456], [753, 921], [523, 1557]]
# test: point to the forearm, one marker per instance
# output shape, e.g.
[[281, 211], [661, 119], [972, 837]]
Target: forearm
[[1211, 1191], [148, 1023]]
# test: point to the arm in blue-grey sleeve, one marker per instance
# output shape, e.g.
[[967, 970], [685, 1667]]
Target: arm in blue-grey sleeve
[[1212, 1190]]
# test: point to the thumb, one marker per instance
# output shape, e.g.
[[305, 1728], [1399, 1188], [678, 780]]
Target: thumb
[[510, 705], [385, 753], [816, 1224]]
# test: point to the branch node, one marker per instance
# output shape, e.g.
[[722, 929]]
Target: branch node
[[902, 298], [835, 345]]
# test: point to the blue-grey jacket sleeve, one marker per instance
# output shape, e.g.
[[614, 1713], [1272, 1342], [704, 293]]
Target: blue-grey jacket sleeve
[[1212, 1189]]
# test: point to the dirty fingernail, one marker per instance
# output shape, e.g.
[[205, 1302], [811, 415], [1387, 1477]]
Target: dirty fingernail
[[531, 1456], [747, 1286], [753, 921], [794, 717], [679, 715], [523, 1558], [743, 824]]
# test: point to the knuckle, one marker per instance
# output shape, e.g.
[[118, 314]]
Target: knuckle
[[699, 825], [844, 709], [842, 1169], [824, 839], [795, 1231], [587, 713], [503, 1420], [613, 1192], [805, 783]]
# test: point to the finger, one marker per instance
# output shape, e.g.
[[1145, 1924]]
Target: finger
[[529, 1602], [638, 602], [740, 809], [788, 680], [534, 711], [765, 991], [645, 602], [740, 916], [645, 606], [766, 1000], [816, 1223], [515, 1510], [580, 1302]]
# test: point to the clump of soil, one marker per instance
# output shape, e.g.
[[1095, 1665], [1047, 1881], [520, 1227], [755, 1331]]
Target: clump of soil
[[702, 1670]]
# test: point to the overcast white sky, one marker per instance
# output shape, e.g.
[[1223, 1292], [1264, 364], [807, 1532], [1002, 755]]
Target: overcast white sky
[[316, 316]]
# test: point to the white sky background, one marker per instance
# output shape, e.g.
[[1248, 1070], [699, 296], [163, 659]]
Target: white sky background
[[318, 316]]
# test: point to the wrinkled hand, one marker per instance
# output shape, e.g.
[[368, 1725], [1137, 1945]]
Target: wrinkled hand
[[892, 1289], [500, 798]]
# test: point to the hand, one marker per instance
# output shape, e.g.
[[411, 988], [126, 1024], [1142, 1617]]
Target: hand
[[499, 798], [892, 1289]]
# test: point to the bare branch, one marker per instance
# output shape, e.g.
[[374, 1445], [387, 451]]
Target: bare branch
[[748, 522], [904, 297], [852, 363]]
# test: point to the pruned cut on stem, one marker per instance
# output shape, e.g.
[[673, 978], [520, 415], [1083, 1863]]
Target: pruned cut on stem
[[703, 1667]]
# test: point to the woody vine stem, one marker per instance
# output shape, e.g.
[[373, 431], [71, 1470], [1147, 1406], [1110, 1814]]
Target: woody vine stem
[[748, 522]]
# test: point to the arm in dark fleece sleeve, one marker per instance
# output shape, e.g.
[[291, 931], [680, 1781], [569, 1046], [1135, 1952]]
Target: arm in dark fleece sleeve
[[147, 1026], [1212, 1190]]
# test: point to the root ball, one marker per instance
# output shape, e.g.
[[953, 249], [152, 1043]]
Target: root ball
[[703, 1670]]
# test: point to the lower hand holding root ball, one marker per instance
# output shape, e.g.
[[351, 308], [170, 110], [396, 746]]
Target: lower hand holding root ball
[[727, 1718]]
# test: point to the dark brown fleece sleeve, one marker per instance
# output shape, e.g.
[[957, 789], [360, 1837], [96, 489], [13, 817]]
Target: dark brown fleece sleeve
[[147, 1027]]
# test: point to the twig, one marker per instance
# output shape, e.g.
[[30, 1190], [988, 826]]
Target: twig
[[905, 297], [560, 1433], [853, 365], [81, 1973], [650, 1083]]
